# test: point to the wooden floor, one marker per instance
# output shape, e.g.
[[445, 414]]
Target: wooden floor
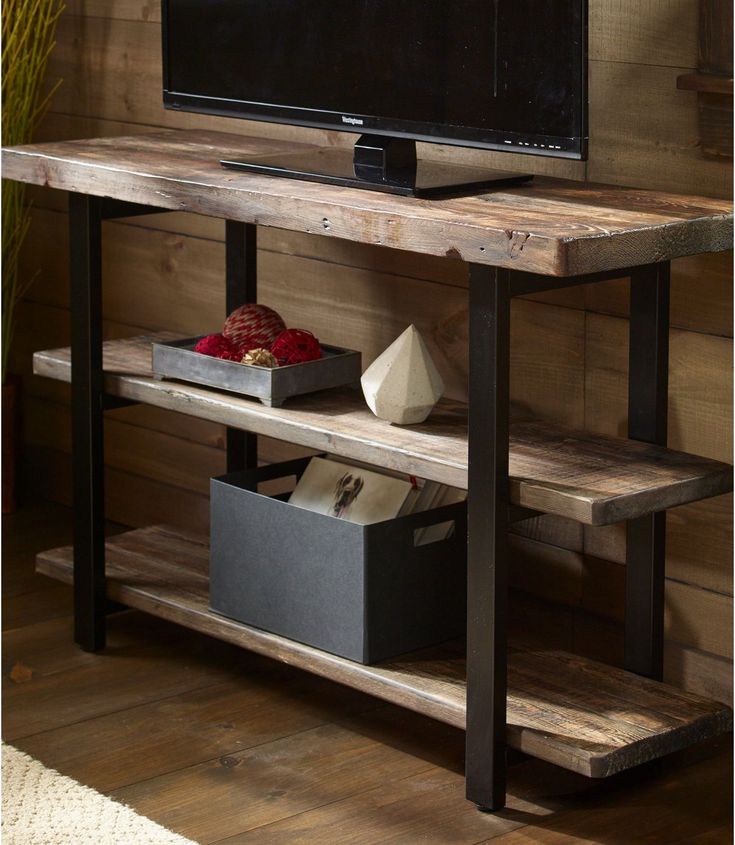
[[223, 746]]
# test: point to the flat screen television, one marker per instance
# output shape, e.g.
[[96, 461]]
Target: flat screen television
[[505, 75]]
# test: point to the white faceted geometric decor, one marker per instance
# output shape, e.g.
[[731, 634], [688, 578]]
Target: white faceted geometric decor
[[403, 384]]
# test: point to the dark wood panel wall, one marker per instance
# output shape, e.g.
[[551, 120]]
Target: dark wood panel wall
[[569, 349]]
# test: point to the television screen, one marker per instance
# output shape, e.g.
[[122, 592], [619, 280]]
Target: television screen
[[499, 74]]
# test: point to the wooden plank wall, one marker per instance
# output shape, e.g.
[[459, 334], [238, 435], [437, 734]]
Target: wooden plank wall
[[569, 349]]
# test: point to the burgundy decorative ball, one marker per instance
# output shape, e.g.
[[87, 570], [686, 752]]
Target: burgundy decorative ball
[[296, 346], [218, 346], [253, 326]]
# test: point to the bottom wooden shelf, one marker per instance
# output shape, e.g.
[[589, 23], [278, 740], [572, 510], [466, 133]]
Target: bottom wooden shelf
[[574, 712]]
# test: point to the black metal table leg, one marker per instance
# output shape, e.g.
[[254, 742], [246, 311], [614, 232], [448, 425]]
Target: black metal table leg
[[488, 513], [242, 286], [647, 421], [85, 236]]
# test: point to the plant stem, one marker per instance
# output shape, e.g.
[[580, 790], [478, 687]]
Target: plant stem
[[28, 29]]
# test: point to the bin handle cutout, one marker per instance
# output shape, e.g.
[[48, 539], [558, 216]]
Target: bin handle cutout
[[433, 533]]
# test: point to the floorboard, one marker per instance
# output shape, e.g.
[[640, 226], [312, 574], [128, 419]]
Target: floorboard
[[227, 747]]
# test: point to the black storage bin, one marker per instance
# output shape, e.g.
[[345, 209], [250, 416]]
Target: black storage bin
[[364, 592]]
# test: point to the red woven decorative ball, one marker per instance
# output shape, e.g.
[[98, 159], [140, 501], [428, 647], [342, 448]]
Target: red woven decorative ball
[[218, 346], [296, 346], [253, 326]]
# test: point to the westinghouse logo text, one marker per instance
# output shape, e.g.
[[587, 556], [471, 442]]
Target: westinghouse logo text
[[353, 121]]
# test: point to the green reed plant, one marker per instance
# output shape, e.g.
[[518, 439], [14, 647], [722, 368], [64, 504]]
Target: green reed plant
[[28, 31]]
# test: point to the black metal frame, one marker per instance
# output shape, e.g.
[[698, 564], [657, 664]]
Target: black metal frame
[[89, 400], [85, 236], [648, 397], [241, 260], [489, 510], [487, 531]]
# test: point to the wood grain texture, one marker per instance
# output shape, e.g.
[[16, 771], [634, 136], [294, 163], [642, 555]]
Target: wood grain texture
[[333, 253], [700, 386], [131, 499], [592, 479], [552, 227], [134, 10], [548, 378], [298, 771], [699, 544], [701, 294], [650, 138], [715, 123], [713, 82], [643, 818], [646, 132], [139, 450], [706, 83], [694, 617], [145, 271], [644, 32], [662, 32], [715, 37], [191, 232], [182, 758], [135, 672], [580, 715], [118, 748]]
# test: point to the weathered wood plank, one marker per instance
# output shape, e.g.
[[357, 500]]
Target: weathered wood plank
[[584, 716], [138, 669], [49, 224], [654, 32], [333, 251], [139, 450], [388, 815], [700, 406], [572, 628], [552, 227], [132, 500], [694, 617], [688, 815], [590, 478], [645, 132], [715, 37], [118, 749], [315, 767], [259, 701], [661, 32], [701, 294], [699, 544], [148, 11], [146, 271], [705, 83]]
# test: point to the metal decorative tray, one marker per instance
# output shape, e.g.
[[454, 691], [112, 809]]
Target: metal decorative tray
[[178, 360]]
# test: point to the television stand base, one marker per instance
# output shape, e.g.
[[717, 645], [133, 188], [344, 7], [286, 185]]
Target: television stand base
[[380, 164]]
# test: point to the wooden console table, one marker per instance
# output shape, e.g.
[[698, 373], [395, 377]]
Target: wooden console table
[[570, 711]]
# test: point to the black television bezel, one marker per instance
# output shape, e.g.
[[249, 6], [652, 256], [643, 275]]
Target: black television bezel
[[575, 148]]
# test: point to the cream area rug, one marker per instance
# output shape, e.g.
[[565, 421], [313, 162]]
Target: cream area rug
[[42, 807]]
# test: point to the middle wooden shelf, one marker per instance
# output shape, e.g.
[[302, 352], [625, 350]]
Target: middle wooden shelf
[[591, 478]]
